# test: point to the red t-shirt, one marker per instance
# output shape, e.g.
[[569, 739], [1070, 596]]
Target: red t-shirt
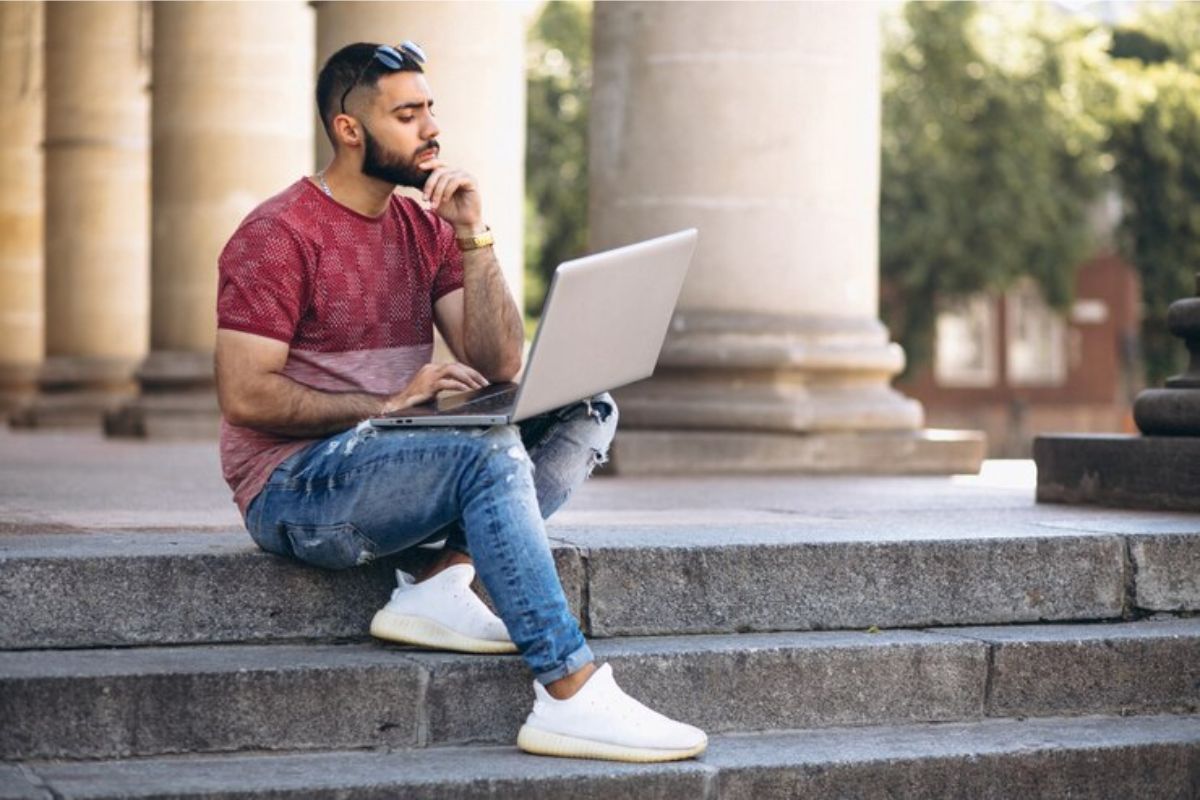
[[351, 295]]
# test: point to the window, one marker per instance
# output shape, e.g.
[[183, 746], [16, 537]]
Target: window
[[1036, 338], [965, 350]]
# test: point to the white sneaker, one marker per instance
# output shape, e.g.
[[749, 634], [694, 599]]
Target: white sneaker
[[601, 721], [441, 613]]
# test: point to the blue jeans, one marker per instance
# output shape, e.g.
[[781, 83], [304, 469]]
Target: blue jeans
[[370, 492]]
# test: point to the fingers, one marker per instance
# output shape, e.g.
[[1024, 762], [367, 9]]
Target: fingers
[[450, 385], [443, 183], [467, 375]]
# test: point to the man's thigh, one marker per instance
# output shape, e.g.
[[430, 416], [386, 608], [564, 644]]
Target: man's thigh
[[366, 493]]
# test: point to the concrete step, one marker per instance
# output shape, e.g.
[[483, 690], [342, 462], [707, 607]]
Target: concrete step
[[649, 575], [148, 701], [1100, 758]]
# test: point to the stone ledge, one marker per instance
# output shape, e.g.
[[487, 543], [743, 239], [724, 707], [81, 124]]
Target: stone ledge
[[642, 591], [130, 589], [1142, 667], [1166, 571], [1095, 757], [928, 452], [151, 701], [1150, 472], [79, 704]]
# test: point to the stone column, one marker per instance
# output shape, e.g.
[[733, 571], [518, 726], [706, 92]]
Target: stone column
[[477, 72], [97, 210], [759, 124], [21, 266], [231, 126]]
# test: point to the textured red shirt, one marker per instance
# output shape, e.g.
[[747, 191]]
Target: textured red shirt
[[351, 295]]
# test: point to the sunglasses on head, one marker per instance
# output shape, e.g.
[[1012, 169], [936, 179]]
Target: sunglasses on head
[[392, 59]]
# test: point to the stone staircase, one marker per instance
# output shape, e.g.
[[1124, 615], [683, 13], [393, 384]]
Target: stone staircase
[[945, 649]]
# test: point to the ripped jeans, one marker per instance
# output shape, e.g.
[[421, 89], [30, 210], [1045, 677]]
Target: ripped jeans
[[370, 492]]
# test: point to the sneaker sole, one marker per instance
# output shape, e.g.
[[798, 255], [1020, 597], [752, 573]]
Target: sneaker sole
[[427, 633], [544, 743]]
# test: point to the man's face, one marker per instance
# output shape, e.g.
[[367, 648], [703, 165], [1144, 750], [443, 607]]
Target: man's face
[[399, 130]]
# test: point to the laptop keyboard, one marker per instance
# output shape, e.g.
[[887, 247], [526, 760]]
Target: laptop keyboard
[[486, 402]]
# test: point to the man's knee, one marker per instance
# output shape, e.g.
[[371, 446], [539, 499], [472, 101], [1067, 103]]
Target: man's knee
[[499, 450], [602, 413]]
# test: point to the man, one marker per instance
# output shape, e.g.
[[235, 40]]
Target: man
[[329, 292]]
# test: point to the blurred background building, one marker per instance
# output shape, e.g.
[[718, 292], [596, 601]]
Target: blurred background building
[[948, 162]]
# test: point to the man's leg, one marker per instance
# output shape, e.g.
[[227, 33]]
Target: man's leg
[[334, 507], [565, 445], [368, 493]]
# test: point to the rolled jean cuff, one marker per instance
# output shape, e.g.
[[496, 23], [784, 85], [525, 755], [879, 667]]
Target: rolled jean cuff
[[571, 664]]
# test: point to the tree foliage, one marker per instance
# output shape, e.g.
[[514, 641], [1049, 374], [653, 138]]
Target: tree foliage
[[1002, 122], [990, 162], [1155, 142], [556, 182]]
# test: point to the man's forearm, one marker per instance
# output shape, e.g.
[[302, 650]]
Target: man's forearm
[[493, 333], [277, 404]]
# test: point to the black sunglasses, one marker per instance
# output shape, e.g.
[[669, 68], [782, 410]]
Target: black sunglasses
[[392, 59]]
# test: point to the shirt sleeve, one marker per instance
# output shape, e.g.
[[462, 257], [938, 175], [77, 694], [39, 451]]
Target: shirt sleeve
[[261, 286], [450, 261]]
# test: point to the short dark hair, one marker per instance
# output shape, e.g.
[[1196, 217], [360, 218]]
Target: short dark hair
[[354, 61]]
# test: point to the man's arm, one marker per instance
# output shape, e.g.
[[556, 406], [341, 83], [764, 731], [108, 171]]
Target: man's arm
[[481, 322], [254, 393]]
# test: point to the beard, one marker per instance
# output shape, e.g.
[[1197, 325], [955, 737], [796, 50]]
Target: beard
[[386, 166]]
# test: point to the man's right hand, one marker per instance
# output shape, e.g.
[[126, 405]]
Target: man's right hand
[[432, 379]]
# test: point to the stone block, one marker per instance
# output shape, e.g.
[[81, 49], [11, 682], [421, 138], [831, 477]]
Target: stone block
[[1128, 668], [1100, 757], [132, 702], [705, 586], [928, 452], [763, 681], [754, 682], [476, 699], [15, 785], [448, 773], [104, 589], [1167, 571], [1151, 472], [1097, 758]]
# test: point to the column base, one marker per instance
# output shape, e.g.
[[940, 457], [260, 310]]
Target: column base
[[76, 392], [760, 372], [178, 400], [18, 386], [71, 409], [167, 416], [680, 452], [1160, 473]]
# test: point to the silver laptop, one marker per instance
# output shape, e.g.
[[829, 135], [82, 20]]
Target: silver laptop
[[603, 325]]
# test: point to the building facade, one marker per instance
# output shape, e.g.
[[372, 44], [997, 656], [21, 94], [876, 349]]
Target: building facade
[[129, 179]]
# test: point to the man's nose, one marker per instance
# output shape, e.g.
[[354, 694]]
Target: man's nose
[[430, 129]]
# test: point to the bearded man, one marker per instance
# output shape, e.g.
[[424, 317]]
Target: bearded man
[[329, 293]]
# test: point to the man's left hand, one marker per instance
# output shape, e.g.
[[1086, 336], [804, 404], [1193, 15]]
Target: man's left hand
[[453, 196]]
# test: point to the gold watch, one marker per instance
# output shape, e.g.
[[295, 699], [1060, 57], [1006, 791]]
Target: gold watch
[[484, 239]]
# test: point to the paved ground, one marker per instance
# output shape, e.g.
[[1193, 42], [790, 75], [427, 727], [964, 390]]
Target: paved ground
[[73, 482]]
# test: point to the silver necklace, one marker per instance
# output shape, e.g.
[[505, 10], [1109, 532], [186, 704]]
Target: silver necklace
[[324, 185]]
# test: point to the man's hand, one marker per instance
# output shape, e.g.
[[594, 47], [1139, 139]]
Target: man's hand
[[432, 379], [453, 196]]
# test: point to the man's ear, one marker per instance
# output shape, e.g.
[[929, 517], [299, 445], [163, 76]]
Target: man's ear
[[347, 130]]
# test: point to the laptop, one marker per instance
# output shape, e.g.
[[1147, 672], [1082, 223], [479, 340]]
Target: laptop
[[603, 325]]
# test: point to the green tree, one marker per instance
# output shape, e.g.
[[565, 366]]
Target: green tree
[[1155, 143], [556, 180], [990, 159]]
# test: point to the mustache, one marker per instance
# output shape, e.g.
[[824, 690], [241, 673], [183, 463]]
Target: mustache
[[433, 145]]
